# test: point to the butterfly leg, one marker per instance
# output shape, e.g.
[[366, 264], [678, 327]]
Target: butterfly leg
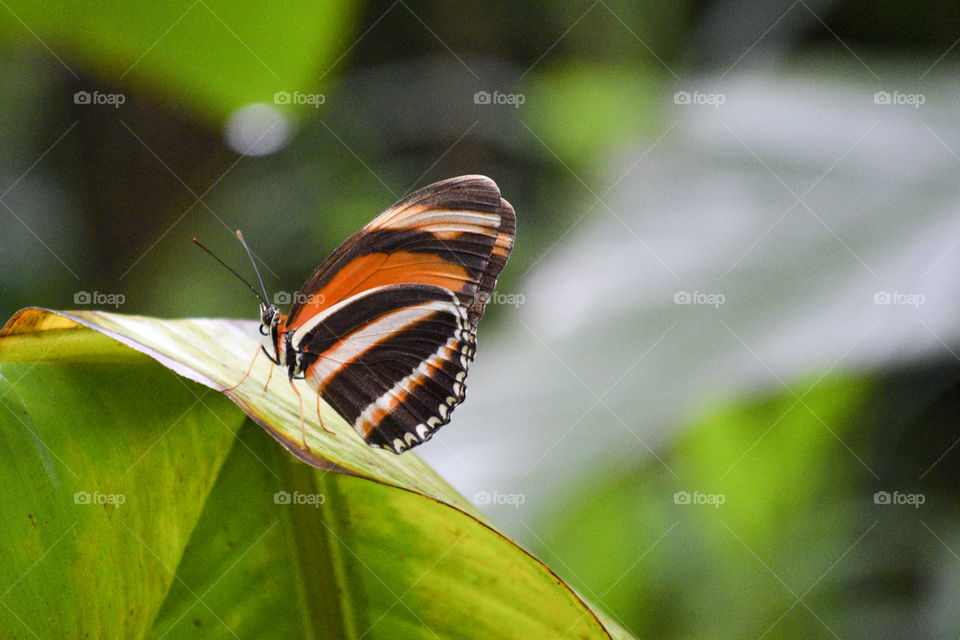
[[303, 428], [320, 418], [247, 374], [270, 375]]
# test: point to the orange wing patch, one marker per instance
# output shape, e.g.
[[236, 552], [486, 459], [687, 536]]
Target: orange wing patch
[[379, 269]]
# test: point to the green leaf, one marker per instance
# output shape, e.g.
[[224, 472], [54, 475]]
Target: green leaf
[[138, 504], [217, 352], [212, 56], [90, 418]]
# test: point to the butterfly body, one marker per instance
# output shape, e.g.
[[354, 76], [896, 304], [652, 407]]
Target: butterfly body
[[385, 329]]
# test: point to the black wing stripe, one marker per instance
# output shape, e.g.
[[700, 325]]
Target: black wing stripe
[[397, 346], [471, 250], [348, 398], [365, 308]]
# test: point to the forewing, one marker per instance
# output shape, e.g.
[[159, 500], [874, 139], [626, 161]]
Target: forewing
[[456, 234]]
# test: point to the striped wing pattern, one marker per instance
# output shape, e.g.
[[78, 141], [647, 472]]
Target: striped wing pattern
[[388, 323]]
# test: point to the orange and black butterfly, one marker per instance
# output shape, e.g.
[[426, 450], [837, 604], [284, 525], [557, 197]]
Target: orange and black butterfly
[[385, 329]]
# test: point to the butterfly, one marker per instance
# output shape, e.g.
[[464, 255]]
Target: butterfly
[[385, 329]]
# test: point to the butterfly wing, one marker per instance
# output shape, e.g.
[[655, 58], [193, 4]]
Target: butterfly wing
[[392, 361], [387, 324]]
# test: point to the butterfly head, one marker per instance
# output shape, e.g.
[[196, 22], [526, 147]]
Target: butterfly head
[[269, 318], [271, 321]]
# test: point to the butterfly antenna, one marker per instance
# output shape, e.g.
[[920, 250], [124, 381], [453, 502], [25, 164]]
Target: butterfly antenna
[[228, 268], [255, 270]]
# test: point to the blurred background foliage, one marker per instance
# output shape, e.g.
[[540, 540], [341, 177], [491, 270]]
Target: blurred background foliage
[[595, 399]]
